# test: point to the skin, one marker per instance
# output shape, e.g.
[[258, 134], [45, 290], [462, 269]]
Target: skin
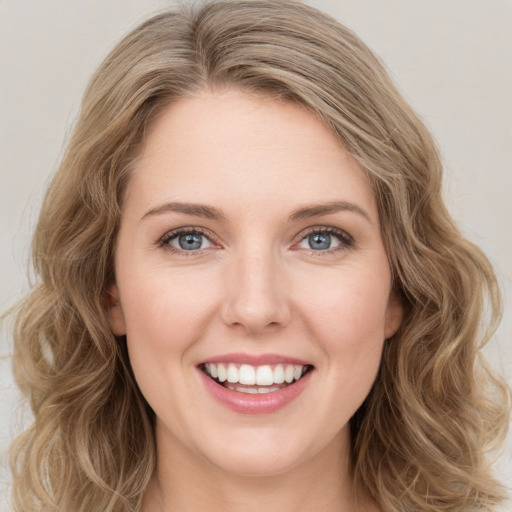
[[255, 286]]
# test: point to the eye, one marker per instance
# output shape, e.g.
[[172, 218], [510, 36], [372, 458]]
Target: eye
[[326, 240], [185, 240]]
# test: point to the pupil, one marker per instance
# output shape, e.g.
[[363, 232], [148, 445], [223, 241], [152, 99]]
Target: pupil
[[319, 241], [190, 241]]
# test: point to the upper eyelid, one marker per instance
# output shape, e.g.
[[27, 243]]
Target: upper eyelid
[[169, 235], [186, 229], [320, 229]]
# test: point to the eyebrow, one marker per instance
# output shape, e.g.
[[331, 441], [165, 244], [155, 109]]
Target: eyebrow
[[326, 209], [198, 210], [306, 212]]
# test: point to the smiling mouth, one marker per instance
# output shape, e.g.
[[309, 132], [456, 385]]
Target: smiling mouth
[[246, 378]]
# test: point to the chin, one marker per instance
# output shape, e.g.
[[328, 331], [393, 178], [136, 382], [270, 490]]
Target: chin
[[271, 454], [257, 464]]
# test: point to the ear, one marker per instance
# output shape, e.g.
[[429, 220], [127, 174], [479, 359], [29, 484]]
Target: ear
[[394, 314], [115, 312]]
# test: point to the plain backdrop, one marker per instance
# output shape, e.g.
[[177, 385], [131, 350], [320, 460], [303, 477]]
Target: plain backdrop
[[452, 59]]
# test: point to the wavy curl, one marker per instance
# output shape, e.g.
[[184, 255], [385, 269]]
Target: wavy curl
[[420, 440]]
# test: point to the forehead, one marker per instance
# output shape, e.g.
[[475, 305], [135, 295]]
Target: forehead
[[242, 149]]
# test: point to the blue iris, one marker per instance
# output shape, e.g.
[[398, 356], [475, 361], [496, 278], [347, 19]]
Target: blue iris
[[319, 241], [190, 241]]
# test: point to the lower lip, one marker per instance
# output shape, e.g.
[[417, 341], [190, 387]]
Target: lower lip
[[262, 403]]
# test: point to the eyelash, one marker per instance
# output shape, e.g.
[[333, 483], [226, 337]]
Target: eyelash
[[164, 241], [346, 241]]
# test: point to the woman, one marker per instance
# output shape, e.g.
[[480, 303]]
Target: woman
[[251, 294]]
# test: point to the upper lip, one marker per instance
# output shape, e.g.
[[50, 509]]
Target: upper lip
[[255, 360]]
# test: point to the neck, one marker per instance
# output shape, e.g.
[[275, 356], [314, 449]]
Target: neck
[[185, 482]]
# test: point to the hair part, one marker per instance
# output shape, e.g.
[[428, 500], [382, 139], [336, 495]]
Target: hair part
[[419, 440]]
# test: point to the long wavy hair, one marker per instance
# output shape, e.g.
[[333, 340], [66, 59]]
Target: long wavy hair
[[420, 440]]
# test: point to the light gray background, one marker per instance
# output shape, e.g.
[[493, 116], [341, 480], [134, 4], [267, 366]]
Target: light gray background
[[451, 58]]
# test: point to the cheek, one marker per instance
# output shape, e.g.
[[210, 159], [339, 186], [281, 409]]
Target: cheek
[[167, 311], [350, 307], [164, 316], [347, 318]]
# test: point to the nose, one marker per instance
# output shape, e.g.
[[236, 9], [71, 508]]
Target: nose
[[256, 294]]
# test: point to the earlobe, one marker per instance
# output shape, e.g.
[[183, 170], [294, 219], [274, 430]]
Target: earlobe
[[115, 312], [394, 315]]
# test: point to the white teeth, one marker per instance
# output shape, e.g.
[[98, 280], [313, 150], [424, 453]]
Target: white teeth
[[251, 391], [264, 376], [279, 374], [233, 375], [221, 372], [267, 390], [246, 374], [289, 374]]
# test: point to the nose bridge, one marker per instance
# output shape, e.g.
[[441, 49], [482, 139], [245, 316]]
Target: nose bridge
[[256, 296]]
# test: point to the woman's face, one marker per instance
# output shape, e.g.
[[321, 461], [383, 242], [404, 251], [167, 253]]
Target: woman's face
[[250, 250]]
